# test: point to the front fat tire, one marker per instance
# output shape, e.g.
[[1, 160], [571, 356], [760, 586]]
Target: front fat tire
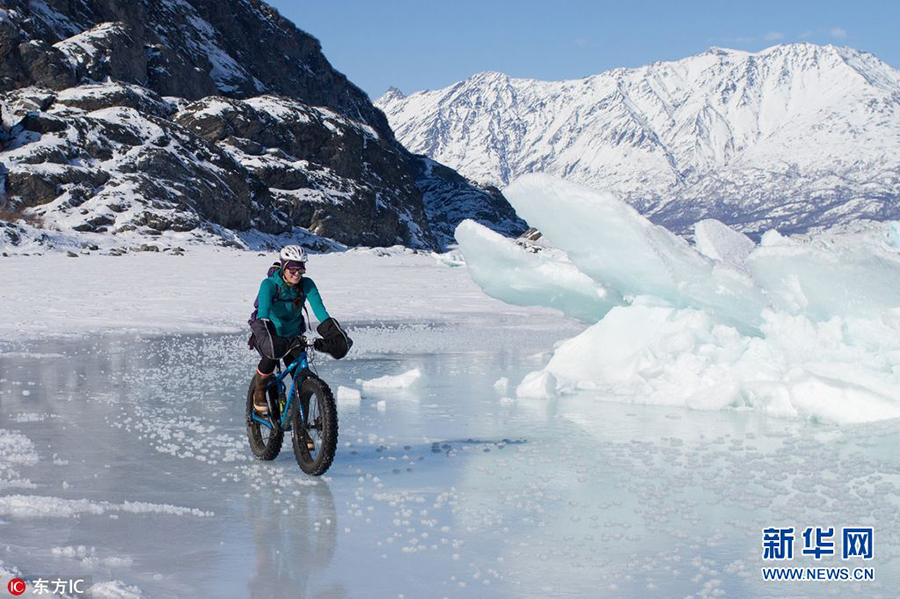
[[319, 460], [264, 442]]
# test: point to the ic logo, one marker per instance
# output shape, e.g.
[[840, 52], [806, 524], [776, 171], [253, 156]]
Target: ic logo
[[16, 586]]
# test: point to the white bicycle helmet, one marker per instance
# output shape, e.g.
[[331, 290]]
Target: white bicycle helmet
[[292, 253]]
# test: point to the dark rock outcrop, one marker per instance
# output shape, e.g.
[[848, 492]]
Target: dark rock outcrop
[[350, 187], [152, 116], [189, 49], [450, 198]]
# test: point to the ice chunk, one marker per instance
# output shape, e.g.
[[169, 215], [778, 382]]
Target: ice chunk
[[506, 271], [661, 355], [644, 350], [452, 258], [853, 280], [502, 384], [894, 234], [537, 385], [794, 327], [348, 396], [400, 381], [773, 237], [606, 238], [716, 240], [836, 401], [617, 247]]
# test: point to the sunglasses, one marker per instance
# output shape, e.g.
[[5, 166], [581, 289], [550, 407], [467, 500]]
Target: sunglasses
[[294, 270]]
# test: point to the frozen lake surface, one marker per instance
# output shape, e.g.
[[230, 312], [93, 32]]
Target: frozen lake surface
[[124, 458]]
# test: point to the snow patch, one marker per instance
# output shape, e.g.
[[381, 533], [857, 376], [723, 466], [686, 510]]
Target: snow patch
[[16, 450], [36, 506], [79, 48], [28, 417], [61, 25], [115, 589], [170, 305], [88, 557], [281, 108]]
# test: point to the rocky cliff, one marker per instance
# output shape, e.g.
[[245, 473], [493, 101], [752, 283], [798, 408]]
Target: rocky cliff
[[197, 116]]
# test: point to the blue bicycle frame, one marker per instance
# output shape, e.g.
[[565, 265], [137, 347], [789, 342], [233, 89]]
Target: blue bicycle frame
[[301, 365]]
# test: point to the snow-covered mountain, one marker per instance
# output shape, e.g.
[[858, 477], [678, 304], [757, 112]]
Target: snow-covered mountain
[[794, 136], [199, 120]]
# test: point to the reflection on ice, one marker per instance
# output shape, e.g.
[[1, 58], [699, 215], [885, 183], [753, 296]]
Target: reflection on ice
[[291, 546], [789, 328]]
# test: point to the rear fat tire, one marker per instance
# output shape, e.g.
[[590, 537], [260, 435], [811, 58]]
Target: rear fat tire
[[265, 443], [315, 397]]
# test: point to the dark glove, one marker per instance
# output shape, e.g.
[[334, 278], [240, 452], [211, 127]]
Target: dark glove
[[335, 341], [263, 337]]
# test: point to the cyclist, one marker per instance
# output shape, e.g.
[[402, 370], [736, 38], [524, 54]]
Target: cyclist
[[279, 320]]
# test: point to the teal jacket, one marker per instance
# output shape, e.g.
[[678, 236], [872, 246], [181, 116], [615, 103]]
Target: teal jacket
[[285, 312]]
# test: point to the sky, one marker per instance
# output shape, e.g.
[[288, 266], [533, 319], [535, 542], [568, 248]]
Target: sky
[[417, 45]]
